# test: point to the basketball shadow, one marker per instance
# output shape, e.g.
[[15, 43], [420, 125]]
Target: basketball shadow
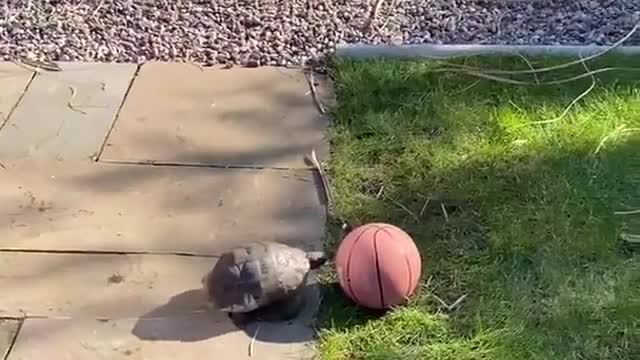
[[338, 311]]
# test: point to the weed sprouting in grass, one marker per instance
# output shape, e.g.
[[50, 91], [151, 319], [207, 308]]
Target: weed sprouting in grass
[[531, 233]]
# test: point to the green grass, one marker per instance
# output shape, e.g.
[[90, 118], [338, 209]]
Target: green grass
[[531, 236]]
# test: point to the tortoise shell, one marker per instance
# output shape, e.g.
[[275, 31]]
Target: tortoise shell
[[256, 275]]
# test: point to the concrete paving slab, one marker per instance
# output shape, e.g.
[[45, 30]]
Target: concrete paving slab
[[76, 206], [83, 306], [184, 338], [8, 330], [100, 285], [179, 113], [13, 82], [66, 114]]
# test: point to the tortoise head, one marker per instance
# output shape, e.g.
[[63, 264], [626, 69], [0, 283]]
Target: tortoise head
[[316, 259]]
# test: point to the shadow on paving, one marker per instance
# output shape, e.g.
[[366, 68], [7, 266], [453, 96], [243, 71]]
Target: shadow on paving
[[166, 323], [219, 130], [161, 324]]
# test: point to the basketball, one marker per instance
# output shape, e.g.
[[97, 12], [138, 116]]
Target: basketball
[[378, 266]]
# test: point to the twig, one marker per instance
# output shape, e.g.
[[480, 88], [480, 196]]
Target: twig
[[36, 66], [323, 177], [70, 102], [630, 212], [559, 66], [379, 194], [314, 92], [373, 15], [571, 104], [253, 340], [444, 212]]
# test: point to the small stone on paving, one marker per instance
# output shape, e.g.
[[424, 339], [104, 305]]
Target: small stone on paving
[[66, 114], [13, 82], [8, 330], [180, 113]]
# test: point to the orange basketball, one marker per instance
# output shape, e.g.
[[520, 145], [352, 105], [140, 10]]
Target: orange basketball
[[378, 265]]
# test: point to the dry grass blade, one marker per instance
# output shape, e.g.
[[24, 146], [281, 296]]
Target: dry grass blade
[[444, 304], [413, 215], [424, 207], [452, 306], [444, 212], [526, 61], [629, 212], [572, 103], [559, 66], [253, 340], [616, 132], [630, 238], [467, 88], [519, 82], [457, 302]]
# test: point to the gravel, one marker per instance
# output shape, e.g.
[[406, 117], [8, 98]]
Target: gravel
[[289, 32]]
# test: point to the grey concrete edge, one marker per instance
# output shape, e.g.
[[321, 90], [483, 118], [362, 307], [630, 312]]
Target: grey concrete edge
[[362, 51]]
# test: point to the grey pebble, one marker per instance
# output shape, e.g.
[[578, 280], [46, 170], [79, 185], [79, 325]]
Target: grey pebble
[[287, 32]]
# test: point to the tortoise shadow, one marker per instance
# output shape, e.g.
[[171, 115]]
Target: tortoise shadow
[[187, 317], [266, 327]]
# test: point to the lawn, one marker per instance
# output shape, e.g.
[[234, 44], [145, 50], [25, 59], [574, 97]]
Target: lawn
[[532, 192]]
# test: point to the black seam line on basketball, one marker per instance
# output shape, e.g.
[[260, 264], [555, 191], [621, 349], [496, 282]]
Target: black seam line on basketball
[[348, 270], [375, 250], [408, 292], [406, 259]]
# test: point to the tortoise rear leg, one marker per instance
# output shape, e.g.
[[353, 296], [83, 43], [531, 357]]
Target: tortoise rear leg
[[282, 310]]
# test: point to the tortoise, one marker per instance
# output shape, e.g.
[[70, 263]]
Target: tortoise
[[262, 278]]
